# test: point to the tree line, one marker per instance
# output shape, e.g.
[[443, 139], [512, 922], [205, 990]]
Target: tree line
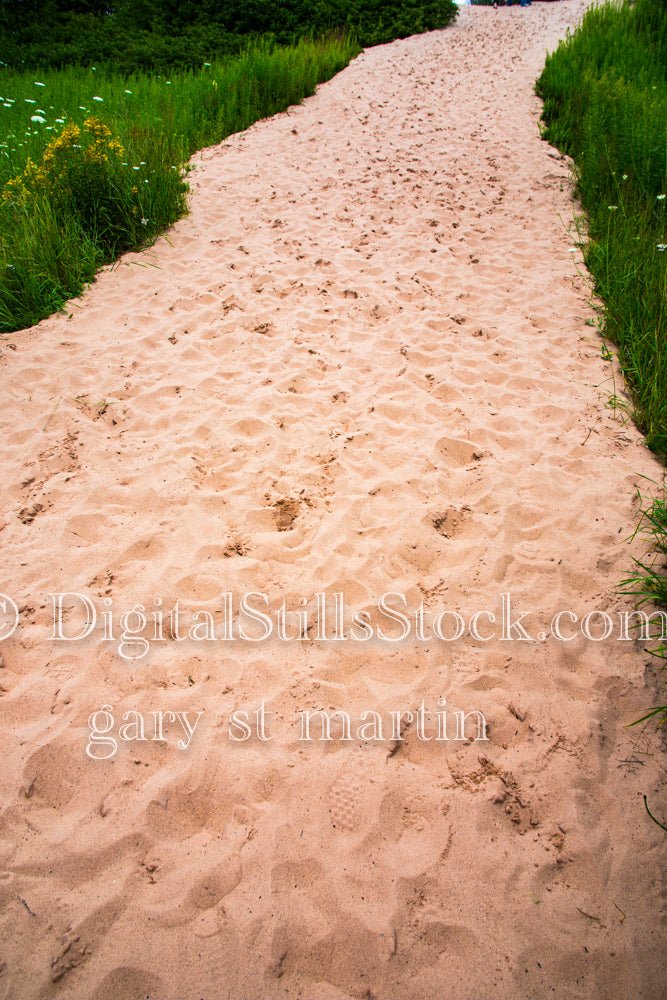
[[131, 35]]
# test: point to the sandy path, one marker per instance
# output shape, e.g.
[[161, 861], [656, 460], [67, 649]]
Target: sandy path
[[363, 365]]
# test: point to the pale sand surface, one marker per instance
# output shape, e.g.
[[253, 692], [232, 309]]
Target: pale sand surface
[[364, 364]]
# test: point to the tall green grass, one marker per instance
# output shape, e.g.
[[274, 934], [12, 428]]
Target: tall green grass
[[50, 247], [605, 104]]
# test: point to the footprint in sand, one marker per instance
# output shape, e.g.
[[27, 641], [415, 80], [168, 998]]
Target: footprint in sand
[[455, 453], [346, 803], [285, 513], [86, 529], [127, 981], [355, 796], [452, 522]]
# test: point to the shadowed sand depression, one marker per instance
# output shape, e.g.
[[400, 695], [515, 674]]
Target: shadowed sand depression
[[364, 364]]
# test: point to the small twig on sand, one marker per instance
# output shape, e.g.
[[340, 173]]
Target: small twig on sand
[[22, 900], [591, 917]]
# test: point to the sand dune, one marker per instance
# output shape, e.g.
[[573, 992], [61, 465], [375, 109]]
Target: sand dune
[[366, 364]]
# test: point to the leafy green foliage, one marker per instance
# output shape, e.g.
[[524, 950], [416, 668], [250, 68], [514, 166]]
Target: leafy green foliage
[[158, 35]]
